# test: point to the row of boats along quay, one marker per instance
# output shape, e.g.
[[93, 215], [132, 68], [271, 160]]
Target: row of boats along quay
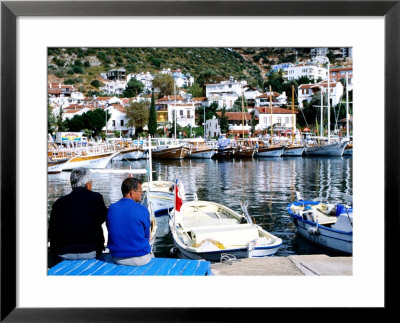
[[240, 198]]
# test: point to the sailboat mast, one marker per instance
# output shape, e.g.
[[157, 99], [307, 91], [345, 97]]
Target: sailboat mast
[[322, 115], [150, 164], [292, 114], [347, 107], [329, 107], [242, 119], [175, 110], [270, 105]]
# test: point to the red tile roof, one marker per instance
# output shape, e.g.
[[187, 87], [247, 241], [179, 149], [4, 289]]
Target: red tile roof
[[275, 110], [237, 115]]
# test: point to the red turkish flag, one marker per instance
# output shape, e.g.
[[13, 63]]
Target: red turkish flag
[[178, 200]]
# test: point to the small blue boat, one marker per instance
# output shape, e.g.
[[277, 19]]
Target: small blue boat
[[329, 225]]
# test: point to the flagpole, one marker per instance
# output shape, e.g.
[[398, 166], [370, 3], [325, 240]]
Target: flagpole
[[176, 184], [150, 164]]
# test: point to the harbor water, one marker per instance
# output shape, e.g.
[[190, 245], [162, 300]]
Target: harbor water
[[267, 185]]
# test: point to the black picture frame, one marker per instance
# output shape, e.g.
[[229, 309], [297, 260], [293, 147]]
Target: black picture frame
[[10, 10]]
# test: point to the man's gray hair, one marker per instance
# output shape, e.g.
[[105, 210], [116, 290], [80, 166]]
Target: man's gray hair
[[80, 176]]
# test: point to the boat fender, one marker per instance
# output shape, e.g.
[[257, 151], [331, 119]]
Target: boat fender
[[313, 230]]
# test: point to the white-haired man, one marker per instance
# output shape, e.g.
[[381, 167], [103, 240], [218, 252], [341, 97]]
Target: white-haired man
[[75, 230]]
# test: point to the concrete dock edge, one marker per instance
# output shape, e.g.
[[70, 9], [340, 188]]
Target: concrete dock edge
[[303, 265]]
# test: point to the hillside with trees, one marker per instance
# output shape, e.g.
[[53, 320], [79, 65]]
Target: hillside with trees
[[82, 66]]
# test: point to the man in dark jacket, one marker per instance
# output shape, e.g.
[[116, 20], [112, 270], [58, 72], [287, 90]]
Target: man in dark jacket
[[75, 230]]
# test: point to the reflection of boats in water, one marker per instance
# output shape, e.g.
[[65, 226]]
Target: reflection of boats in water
[[211, 231], [329, 225]]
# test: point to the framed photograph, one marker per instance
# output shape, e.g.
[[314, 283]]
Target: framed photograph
[[29, 28]]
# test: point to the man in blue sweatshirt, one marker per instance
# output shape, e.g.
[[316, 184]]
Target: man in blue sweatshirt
[[128, 224]]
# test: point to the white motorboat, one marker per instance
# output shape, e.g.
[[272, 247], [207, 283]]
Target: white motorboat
[[329, 225], [90, 156], [56, 166], [161, 194], [95, 160], [211, 231]]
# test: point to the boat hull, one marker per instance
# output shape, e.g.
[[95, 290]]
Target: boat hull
[[131, 154], [225, 153], [90, 161], [335, 149], [269, 152], [329, 238], [163, 202], [202, 154], [170, 153], [208, 230], [216, 256], [56, 166], [348, 152], [244, 153], [293, 151]]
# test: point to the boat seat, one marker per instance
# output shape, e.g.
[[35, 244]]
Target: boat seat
[[201, 219], [227, 235]]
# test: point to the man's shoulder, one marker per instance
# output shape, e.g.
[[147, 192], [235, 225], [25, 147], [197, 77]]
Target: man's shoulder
[[91, 193]]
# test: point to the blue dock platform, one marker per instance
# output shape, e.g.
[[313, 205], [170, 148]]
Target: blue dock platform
[[156, 267]]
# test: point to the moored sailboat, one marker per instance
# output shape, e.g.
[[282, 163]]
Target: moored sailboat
[[293, 149], [268, 149]]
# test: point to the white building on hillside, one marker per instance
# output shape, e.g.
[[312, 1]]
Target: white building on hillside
[[307, 91], [113, 87], [145, 78], [185, 114], [281, 118], [181, 79], [312, 72], [225, 93], [118, 120], [277, 99], [212, 128]]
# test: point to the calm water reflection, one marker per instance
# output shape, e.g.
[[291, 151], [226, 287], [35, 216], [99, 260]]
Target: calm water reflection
[[267, 185]]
